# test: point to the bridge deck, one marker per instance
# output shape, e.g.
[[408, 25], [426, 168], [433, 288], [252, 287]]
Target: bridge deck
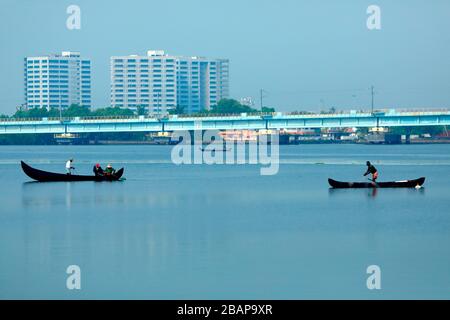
[[278, 120]]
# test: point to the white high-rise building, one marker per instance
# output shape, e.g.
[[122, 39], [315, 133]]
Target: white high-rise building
[[57, 81], [144, 81], [159, 82], [201, 82]]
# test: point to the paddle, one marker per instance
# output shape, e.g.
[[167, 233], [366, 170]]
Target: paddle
[[373, 181]]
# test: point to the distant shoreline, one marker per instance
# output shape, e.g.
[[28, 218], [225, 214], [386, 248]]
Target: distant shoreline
[[150, 143]]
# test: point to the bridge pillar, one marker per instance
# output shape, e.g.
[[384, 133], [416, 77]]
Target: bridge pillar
[[284, 139], [408, 135], [407, 139]]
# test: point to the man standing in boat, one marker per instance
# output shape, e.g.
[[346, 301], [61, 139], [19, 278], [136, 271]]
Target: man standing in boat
[[69, 167], [371, 170]]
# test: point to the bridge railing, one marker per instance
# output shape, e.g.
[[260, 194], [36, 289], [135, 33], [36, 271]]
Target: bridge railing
[[219, 115], [66, 119], [22, 119], [99, 118], [422, 111], [354, 113]]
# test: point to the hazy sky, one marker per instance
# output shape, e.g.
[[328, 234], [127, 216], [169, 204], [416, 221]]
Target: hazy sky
[[307, 54]]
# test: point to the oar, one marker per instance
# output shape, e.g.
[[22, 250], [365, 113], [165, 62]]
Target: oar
[[373, 182]]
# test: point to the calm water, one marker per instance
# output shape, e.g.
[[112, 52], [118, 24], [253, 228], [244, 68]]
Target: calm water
[[221, 231]]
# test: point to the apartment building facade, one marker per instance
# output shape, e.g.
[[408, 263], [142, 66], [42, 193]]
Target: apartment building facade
[[57, 81], [159, 82]]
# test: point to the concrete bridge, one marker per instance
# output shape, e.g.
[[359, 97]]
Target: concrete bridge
[[277, 120]]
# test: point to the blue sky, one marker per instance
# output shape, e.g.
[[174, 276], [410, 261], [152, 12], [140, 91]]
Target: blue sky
[[307, 54]]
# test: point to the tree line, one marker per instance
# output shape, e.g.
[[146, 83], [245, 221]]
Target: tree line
[[224, 106]]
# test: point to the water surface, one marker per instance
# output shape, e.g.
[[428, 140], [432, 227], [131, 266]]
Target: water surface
[[225, 231]]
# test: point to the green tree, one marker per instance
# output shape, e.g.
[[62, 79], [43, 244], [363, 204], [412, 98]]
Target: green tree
[[267, 109], [31, 113], [332, 110], [178, 110], [231, 106], [112, 112], [76, 110], [54, 113], [141, 110]]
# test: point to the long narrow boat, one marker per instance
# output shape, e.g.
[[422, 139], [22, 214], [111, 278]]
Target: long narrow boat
[[44, 176], [417, 183], [215, 150]]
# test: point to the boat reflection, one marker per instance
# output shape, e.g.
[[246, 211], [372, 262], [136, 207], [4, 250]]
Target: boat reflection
[[37, 195], [370, 193], [47, 196], [373, 192]]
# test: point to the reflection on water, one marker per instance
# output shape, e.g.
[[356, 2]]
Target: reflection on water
[[65, 194], [105, 194], [220, 232], [373, 192]]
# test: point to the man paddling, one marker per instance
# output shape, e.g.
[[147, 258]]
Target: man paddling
[[69, 167], [371, 170]]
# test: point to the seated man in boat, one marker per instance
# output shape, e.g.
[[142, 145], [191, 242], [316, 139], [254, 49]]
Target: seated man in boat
[[110, 170], [69, 167], [98, 170], [371, 170]]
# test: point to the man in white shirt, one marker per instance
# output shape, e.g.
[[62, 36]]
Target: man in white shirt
[[69, 167]]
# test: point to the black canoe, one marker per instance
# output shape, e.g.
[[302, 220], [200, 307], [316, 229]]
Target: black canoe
[[216, 150], [44, 176], [393, 184]]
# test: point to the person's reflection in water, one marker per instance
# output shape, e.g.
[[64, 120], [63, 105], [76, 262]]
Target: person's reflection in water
[[68, 195], [373, 193], [44, 195]]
